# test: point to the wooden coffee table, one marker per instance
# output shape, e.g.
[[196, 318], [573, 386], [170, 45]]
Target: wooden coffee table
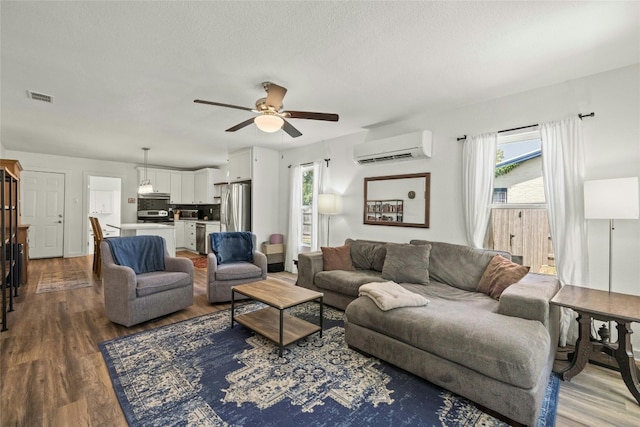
[[272, 322], [605, 306]]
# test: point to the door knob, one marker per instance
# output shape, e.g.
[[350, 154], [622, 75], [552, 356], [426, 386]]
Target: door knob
[[59, 222], [59, 215]]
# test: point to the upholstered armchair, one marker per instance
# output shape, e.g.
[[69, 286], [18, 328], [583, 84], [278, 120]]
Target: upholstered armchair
[[233, 260], [141, 281]]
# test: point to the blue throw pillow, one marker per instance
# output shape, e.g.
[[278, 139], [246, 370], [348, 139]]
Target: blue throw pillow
[[232, 246]]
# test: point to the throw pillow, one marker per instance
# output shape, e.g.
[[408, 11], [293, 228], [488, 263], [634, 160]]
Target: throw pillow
[[338, 258], [406, 263], [367, 255], [499, 275], [233, 246]]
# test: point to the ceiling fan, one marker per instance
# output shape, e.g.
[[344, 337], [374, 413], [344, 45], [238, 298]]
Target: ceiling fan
[[271, 116]]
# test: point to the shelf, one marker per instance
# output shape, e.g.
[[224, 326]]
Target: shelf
[[266, 322]]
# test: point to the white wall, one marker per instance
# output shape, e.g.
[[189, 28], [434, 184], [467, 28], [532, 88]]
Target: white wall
[[77, 172], [265, 210], [612, 149]]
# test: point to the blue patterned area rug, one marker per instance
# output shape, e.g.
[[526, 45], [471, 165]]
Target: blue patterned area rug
[[200, 372]]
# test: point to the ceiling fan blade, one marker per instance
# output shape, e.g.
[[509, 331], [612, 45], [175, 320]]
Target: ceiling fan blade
[[240, 125], [312, 116], [275, 94], [218, 104], [288, 128]]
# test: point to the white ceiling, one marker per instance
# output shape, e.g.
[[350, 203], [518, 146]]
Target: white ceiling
[[124, 74]]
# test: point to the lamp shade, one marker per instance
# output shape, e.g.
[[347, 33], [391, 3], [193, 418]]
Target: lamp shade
[[269, 123], [328, 203], [611, 198]]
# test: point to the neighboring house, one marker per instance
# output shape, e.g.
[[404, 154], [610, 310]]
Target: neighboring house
[[521, 181]]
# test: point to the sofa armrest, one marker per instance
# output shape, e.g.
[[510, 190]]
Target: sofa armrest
[[184, 265], [309, 263], [529, 298], [260, 260], [119, 283]]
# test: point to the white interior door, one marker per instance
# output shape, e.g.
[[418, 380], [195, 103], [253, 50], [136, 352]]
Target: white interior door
[[43, 208]]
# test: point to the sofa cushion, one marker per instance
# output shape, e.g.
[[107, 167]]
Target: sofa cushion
[[407, 263], [232, 246], [336, 258], [463, 327], [160, 281], [346, 282], [457, 265], [499, 274], [237, 270], [367, 255]]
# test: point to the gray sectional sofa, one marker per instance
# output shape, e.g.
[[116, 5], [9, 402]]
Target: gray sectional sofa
[[497, 353]]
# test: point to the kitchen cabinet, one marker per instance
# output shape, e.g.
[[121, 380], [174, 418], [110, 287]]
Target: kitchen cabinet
[[176, 188], [188, 186], [204, 190], [101, 202], [180, 240], [185, 187], [162, 183], [190, 235], [160, 179], [240, 164]]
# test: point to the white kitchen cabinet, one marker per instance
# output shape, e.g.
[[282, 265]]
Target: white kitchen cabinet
[[160, 179], [204, 190], [100, 202], [240, 165], [176, 188], [162, 183], [180, 236], [188, 185], [190, 235]]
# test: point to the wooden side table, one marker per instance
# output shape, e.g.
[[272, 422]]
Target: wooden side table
[[609, 307]]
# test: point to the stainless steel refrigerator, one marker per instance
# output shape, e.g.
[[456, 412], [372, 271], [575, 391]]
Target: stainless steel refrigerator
[[235, 207]]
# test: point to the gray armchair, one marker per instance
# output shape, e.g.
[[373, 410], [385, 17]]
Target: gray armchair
[[222, 276], [131, 298]]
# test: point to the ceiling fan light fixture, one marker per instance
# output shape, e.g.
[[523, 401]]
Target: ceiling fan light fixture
[[269, 123]]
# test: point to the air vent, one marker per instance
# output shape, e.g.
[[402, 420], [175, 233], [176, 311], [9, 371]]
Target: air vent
[[402, 156], [37, 96]]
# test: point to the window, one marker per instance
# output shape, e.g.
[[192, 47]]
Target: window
[[499, 195], [519, 220], [309, 216]]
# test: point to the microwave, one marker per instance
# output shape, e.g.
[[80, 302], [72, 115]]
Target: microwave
[[189, 214]]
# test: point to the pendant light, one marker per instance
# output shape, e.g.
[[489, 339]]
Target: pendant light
[[145, 185]]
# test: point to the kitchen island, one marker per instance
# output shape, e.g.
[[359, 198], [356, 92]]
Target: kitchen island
[[150, 229]]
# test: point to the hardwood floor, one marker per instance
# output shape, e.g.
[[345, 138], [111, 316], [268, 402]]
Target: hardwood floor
[[53, 374]]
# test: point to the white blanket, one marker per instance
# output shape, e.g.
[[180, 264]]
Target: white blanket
[[389, 295]]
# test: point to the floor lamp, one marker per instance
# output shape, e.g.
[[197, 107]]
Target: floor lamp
[[611, 199], [329, 204]]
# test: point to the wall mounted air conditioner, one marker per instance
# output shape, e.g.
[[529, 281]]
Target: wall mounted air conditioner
[[410, 146]]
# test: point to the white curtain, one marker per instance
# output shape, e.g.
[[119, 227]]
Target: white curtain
[[478, 171], [319, 236], [295, 217], [563, 172]]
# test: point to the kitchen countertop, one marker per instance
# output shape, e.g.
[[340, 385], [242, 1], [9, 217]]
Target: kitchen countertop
[[141, 226], [200, 220]]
